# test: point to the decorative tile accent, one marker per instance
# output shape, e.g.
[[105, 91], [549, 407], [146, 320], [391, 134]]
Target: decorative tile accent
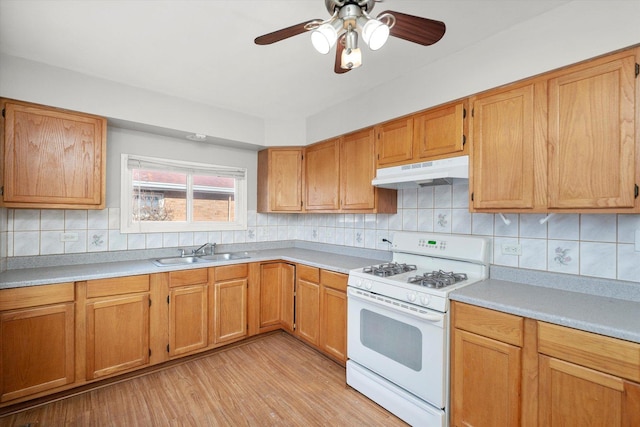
[[563, 256], [97, 240]]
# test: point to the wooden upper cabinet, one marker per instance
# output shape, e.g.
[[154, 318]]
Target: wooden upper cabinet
[[439, 132], [280, 179], [504, 139], [357, 168], [394, 142], [592, 147], [322, 175], [52, 158]]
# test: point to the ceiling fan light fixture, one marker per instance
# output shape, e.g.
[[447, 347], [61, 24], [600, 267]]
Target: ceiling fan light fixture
[[324, 37]]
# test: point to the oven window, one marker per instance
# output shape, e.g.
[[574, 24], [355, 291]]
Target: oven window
[[396, 340]]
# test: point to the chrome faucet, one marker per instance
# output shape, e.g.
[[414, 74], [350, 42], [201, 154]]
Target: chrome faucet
[[203, 248]]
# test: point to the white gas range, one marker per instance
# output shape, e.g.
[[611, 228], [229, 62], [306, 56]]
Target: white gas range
[[398, 322]]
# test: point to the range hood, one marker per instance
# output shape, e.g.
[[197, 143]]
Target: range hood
[[423, 174]]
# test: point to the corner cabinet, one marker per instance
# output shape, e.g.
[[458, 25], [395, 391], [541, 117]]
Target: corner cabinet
[[280, 179], [566, 141], [509, 370], [52, 158], [338, 175], [36, 340]]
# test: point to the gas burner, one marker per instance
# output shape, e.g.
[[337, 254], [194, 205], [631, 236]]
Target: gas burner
[[437, 279], [389, 269]]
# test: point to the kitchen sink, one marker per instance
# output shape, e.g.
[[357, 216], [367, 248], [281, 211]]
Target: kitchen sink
[[224, 257], [185, 260]]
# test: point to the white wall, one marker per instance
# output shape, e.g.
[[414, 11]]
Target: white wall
[[133, 142], [573, 32], [36, 82]]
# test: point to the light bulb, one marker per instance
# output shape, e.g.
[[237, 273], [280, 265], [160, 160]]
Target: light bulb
[[324, 37], [351, 58], [375, 34]]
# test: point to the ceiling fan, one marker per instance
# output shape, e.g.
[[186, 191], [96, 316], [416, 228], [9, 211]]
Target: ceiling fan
[[350, 16]]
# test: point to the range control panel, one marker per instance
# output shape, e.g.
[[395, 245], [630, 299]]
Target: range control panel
[[459, 247]]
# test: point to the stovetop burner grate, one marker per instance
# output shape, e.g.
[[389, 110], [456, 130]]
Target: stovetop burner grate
[[389, 269], [437, 279]]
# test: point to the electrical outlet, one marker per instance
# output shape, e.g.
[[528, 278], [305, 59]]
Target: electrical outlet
[[511, 249], [69, 237]]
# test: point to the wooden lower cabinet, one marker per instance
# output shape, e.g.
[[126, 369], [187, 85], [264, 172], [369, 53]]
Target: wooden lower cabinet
[[229, 304], [117, 325], [36, 340], [321, 310], [333, 314], [307, 321], [188, 311], [512, 371], [276, 304]]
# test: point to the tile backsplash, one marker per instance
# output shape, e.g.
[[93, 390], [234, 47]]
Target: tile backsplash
[[593, 245]]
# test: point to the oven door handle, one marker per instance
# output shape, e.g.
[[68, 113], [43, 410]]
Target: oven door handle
[[394, 305]]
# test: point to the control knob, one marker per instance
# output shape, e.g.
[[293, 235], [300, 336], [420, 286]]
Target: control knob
[[411, 296], [424, 300]]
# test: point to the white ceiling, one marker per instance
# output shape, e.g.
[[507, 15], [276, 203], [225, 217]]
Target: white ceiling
[[203, 51]]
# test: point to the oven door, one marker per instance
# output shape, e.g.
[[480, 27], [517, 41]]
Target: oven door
[[403, 343]]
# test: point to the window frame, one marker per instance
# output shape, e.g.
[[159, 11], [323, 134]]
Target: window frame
[[127, 225]]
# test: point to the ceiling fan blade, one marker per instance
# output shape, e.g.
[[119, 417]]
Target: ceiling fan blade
[[416, 29], [339, 48], [285, 33]]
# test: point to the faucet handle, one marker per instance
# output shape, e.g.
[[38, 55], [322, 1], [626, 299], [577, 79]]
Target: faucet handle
[[181, 253]]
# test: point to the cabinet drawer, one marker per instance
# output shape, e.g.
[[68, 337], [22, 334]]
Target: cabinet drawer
[[117, 286], [333, 280], [228, 272], [188, 277], [489, 323], [310, 274], [32, 296], [605, 354]]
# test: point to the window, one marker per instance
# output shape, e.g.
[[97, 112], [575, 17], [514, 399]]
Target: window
[[162, 195]]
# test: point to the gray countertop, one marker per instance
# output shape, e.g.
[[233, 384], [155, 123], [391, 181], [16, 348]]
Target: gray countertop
[[70, 273], [605, 307], [612, 316]]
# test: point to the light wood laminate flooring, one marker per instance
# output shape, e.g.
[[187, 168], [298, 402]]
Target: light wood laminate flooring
[[274, 380]]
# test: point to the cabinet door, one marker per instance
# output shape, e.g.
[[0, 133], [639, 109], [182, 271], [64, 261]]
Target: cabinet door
[[485, 384], [287, 302], [322, 175], [53, 158], [308, 311], [280, 180], [270, 294], [503, 149], [394, 142], [333, 323], [572, 395], [591, 136], [230, 310], [187, 319], [357, 169], [117, 334], [36, 350], [439, 131]]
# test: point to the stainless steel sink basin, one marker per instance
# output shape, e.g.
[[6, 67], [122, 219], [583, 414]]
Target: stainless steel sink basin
[[175, 260], [224, 257], [162, 262]]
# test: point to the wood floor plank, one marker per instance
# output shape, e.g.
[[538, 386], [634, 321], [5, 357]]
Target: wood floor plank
[[272, 381]]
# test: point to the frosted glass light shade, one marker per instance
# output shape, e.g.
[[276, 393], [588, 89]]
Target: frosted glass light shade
[[323, 38], [375, 34]]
